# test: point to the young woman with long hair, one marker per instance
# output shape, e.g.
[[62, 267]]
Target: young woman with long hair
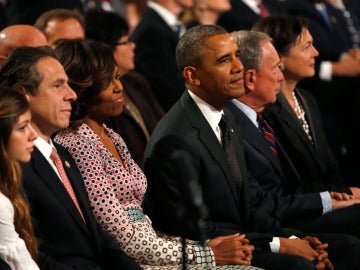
[[18, 246]]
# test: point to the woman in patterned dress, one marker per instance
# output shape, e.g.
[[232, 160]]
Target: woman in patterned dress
[[115, 183], [18, 245]]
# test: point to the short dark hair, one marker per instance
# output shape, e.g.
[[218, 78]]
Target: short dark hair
[[191, 46], [89, 65], [58, 13], [19, 68], [283, 29], [106, 27]]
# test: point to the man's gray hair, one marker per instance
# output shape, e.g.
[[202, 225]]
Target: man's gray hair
[[250, 49]]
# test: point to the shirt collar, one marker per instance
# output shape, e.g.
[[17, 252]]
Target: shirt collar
[[212, 115], [253, 4], [167, 16], [248, 111], [44, 147]]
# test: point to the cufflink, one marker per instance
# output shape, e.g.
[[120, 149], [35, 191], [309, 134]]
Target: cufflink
[[67, 164]]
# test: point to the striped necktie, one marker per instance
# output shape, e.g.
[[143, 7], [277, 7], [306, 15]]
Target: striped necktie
[[268, 133]]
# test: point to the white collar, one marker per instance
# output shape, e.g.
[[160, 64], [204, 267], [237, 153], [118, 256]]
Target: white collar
[[44, 147], [248, 111], [212, 115], [253, 4], [164, 13]]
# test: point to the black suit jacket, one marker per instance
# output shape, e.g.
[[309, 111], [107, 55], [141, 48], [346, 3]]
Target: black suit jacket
[[185, 132], [140, 92], [314, 162], [66, 242], [4, 265], [155, 57], [271, 187], [242, 17]]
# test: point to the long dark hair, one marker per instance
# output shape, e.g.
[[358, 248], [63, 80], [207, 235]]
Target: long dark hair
[[12, 105], [90, 65]]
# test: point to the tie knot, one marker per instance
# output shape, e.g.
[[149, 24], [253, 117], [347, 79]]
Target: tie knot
[[223, 124], [54, 155], [179, 28], [259, 117]]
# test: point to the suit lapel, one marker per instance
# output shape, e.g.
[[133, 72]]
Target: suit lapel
[[253, 137], [51, 179], [208, 139], [287, 114], [159, 21], [309, 117]]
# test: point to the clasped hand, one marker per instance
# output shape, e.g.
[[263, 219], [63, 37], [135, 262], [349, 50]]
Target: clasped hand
[[231, 249], [310, 248]]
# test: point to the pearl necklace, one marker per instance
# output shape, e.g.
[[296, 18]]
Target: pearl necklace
[[300, 113]]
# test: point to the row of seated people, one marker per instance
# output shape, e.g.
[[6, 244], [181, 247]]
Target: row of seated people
[[337, 67], [116, 185], [63, 220], [149, 97]]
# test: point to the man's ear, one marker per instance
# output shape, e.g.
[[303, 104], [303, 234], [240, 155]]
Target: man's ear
[[2, 58], [250, 79], [22, 90], [190, 75]]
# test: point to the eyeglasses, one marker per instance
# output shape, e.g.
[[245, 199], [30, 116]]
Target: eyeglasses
[[128, 42]]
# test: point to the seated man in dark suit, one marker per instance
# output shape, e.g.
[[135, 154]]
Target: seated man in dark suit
[[68, 235], [271, 186], [156, 36], [185, 148]]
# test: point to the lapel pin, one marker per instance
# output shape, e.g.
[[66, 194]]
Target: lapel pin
[[67, 164]]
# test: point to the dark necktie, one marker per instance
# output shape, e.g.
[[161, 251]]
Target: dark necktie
[[268, 133], [229, 148], [264, 12], [179, 29]]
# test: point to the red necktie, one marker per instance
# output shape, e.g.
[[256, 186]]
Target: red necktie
[[268, 133], [264, 12], [65, 180]]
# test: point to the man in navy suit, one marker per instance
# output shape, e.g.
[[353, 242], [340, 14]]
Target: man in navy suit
[[185, 150], [67, 241], [156, 37], [271, 186]]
